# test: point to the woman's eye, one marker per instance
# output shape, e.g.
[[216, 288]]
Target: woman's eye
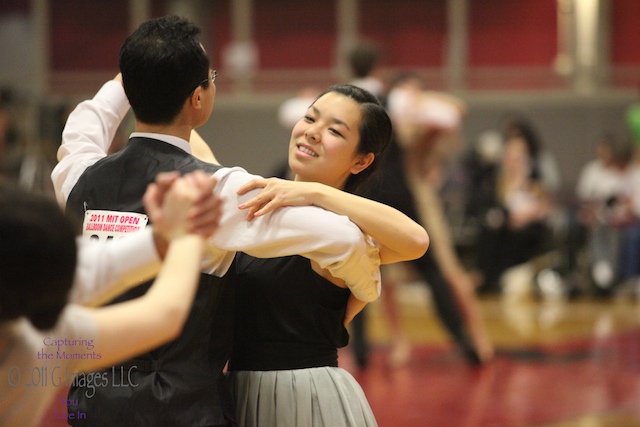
[[335, 132], [308, 119]]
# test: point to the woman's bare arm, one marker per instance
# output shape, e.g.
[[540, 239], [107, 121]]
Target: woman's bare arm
[[399, 237]]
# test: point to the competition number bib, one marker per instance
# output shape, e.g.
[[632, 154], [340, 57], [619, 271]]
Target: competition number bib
[[107, 225]]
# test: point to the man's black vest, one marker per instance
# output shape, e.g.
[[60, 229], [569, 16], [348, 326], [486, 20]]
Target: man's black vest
[[180, 383]]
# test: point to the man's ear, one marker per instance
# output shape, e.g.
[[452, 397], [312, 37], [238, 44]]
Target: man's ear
[[195, 99], [362, 162]]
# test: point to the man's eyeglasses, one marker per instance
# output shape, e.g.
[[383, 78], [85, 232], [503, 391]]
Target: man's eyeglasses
[[212, 76]]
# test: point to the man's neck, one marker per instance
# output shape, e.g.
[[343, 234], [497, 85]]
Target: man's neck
[[179, 131]]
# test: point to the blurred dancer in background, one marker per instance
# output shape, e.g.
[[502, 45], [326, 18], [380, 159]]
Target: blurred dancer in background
[[424, 123]]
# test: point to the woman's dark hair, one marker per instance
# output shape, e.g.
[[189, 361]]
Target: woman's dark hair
[[375, 131], [516, 126], [37, 257], [162, 63]]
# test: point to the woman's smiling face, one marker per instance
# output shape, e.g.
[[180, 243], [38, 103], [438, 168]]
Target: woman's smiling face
[[323, 146]]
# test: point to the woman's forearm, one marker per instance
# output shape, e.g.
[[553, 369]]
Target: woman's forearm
[[138, 325], [400, 237]]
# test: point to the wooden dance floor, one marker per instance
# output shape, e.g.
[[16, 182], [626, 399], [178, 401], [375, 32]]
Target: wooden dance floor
[[559, 363]]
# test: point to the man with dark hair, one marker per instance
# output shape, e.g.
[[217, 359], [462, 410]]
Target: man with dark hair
[[364, 62], [167, 77]]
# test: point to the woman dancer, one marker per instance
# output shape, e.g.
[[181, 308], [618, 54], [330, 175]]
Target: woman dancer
[[43, 340], [291, 314]]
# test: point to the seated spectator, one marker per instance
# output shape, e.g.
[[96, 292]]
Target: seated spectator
[[604, 209], [513, 226]]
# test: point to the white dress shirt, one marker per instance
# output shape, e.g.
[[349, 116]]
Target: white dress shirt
[[331, 240]]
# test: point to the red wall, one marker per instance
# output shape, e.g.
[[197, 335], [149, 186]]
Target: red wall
[[295, 34], [512, 33], [220, 28], [412, 33], [625, 37], [14, 6], [86, 35]]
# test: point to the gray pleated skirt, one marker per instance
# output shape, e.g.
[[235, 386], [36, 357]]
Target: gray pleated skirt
[[315, 397]]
